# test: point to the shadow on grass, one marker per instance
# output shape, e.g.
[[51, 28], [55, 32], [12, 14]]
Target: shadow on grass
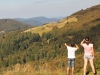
[[87, 73]]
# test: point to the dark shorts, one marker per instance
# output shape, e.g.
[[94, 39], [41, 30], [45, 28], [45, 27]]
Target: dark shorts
[[71, 62]]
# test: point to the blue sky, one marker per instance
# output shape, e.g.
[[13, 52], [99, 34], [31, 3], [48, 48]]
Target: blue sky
[[46, 8]]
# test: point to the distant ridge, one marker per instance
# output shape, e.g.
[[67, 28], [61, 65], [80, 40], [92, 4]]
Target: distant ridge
[[37, 21], [7, 25]]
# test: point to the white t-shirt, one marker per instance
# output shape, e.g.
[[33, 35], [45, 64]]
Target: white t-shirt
[[71, 51]]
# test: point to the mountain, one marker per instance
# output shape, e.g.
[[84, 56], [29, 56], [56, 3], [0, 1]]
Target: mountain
[[83, 19], [8, 25], [41, 51], [36, 21]]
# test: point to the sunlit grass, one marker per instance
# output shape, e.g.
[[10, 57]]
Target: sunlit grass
[[45, 73], [49, 26]]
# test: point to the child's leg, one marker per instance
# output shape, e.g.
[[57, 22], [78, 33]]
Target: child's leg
[[85, 65], [69, 65], [72, 70], [73, 65], [67, 70], [92, 65]]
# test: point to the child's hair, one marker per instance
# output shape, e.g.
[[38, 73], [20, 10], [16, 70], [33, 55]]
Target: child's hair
[[87, 39], [72, 44]]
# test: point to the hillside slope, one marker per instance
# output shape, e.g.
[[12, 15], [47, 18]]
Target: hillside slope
[[7, 25], [83, 19], [50, 26]]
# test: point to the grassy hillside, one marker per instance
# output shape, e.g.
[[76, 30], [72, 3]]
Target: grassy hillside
[[50, 26], [41, 50], [8, 25], [83, 19], [52, 67]]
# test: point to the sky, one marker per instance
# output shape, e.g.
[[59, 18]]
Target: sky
[[46, 8]]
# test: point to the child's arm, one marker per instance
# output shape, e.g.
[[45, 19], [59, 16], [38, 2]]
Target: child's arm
[[82, 42], [93, 52], [65, 44], [76, 46]]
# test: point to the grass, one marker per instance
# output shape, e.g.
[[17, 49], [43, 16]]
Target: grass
[[90, 73], [49, 26], [43, 72], [51, 67]]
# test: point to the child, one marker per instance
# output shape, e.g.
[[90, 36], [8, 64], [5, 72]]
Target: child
[[71, 56], [88, 54]]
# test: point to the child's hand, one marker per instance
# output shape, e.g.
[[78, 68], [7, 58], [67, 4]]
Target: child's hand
[[65, 44]]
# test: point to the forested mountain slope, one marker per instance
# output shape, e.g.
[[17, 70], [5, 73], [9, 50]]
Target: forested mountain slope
[[8, 25], [41, 51]]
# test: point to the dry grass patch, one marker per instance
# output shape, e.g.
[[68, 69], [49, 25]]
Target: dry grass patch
[[48, 27]]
